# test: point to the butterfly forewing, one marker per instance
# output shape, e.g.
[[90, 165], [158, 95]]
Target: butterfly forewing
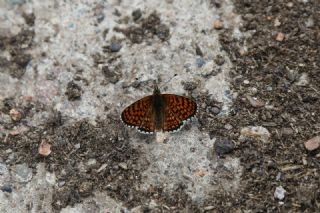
[[139, 115], [182, 107]]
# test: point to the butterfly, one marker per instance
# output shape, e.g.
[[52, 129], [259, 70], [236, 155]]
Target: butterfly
[[159, 112]]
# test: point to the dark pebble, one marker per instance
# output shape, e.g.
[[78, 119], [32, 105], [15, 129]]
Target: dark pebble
[[73, 91], [115, 47], [189, 85], [136, 14], [6, 188], [110, 75], [107, 72], [223, 146], [85, 188], [163, 32], [200, 62], [219, 60], [215, 110], [100, 18], [199, 51]]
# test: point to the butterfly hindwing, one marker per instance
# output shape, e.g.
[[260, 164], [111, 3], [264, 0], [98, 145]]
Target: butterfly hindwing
[[171, 122]]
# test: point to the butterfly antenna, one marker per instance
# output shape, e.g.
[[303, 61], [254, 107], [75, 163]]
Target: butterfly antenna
[[168, 81]]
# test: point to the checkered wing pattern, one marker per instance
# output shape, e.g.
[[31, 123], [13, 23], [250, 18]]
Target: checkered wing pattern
[[139, 115], [178, 110]]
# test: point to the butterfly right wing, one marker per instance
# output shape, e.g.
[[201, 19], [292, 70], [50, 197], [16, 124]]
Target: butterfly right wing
[[139, 115], [178, 110]]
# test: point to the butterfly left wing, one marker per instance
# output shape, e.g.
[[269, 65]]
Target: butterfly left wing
[[178, 110], [139, 115]]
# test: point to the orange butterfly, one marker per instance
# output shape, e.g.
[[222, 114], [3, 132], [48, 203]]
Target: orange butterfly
[[159, 112]]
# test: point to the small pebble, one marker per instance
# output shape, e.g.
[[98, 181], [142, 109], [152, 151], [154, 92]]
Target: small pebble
[[189, 85], [303, 80], [304, 161], [92, 162], [100, 17], [215, 110], [51, 178], [219, 60], [313, 143], [3, 169], [163, 32], [246, 82], [269, 88], [310, 22], [278, 177], [253, 90], [255, 102], [187, 65], [277, 23], [102, 167], [6, 188], [280, 36], [286, 131], [44, 148], [280, 193], [15, 114], [123, 166], [136, 14], [22, 173], [199, 51], [255, 132], [200, 62], [218, 24], [289, 4], [115, 47], [223, 146], [201, 173], [208, 208], [61, 183], [77, 146], [73, 91], [85, 188], [228, 126]]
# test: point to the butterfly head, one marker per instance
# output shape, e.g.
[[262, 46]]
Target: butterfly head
[[156, 90]]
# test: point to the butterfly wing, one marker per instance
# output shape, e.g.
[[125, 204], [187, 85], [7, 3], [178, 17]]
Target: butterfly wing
[[139, 115], [178, 110]]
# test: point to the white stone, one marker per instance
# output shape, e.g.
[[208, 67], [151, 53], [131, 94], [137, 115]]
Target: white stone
[[280, 193], [255, 132]]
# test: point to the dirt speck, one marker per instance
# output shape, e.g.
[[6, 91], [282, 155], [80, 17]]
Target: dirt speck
[[148, 27], [73, 91]]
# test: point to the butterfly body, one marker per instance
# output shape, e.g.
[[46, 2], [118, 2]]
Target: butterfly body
[[159, 112]]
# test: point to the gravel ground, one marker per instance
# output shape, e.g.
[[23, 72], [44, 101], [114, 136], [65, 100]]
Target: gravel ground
[[69, 68]]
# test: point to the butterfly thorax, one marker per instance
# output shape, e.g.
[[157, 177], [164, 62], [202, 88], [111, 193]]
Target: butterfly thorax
[[158, 109]]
